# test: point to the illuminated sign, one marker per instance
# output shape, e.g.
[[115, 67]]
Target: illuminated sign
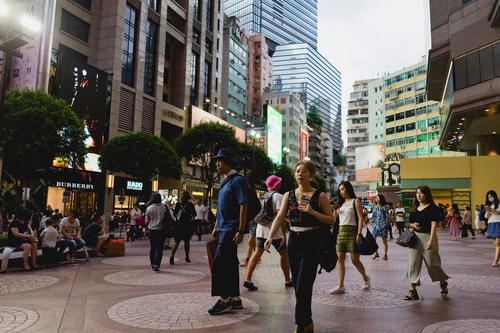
[[304, 143], [274, 134], [78, 186], [135, 186]]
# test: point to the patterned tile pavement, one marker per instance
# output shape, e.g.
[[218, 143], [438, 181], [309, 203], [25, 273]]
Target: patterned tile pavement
[[27, 282], [173, 311], [472, 282], [15, 319], [465, 326], [145, 277], [378, 297], [135, 261]]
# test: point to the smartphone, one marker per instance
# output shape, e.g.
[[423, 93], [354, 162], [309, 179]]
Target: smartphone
[[304, 200]]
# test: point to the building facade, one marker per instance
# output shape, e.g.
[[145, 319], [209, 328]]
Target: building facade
[[412, 122], [260, 73], [464, 74], [357, 123], [376, 111], [282, 22], [234, 73], [294, 121], [302, 69], [162, 59]]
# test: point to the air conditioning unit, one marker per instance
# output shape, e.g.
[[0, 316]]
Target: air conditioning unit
[[435, 127]]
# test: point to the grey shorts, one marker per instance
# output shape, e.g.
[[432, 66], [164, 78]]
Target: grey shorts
[[276, 243], [252, 228]]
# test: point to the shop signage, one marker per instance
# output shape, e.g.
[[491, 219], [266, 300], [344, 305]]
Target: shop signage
[[75, 185], [135, 186]]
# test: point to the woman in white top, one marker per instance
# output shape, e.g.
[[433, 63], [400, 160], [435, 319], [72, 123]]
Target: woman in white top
[[478, 224], [493, 214], [135, 214], [351, 226]]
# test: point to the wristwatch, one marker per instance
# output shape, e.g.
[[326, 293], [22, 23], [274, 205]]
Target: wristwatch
[[359, 235], [241, 231]]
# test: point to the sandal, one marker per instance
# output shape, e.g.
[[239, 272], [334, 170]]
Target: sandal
[[411, 296], [384, 258], [444, 288], [494, 265], [375, 256]]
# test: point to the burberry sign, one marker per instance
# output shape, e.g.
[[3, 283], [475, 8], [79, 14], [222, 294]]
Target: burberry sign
[[75, 185]]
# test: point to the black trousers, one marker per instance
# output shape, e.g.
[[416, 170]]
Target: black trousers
[[49, 255], [401, 227], [226, 275], [303, 255], [468, 227], [156, 240]]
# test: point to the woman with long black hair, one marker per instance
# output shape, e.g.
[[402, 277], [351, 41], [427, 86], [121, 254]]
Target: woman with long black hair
[[350, 235], [310, 216], [493, 214], [424, 219], [185, 213], [380, 222]]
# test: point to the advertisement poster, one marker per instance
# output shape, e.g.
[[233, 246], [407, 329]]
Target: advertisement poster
[[275, 132]]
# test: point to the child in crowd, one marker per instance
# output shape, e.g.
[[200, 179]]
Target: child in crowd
[[49, 236]]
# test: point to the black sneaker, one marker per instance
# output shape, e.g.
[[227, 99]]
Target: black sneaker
[[289, 284], [236, 304], [220, 307], [250, 286]]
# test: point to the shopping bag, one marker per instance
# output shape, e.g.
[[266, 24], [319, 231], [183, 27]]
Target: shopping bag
[[211, 247], [115, 248]]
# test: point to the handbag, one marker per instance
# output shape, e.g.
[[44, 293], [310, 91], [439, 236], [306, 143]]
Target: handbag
[[407, 239], [368, 245]]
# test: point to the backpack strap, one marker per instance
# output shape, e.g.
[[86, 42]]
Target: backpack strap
[[269, 203], [315, 200]]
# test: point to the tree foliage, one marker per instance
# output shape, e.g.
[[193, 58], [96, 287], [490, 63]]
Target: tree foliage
[[339, 160], [263, 164], [141, 155], [286, 173], [313, 118], [198, 144], [319, 183], [37, 128]]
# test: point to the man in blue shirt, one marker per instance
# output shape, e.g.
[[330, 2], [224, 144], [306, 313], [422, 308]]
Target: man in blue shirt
[[229, 229]]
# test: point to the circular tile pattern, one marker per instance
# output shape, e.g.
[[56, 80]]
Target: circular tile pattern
[[384, 265], [14, 319], [174, 311], [19, 283], [465, 326], [473, 283], [146, 277], [379, 296], [265, 270], [134, 261]]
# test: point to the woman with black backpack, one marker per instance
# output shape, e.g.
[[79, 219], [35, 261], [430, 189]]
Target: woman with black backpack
[[310, 218], [185, 213]]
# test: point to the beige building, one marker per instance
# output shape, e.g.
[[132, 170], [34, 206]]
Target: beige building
[[260, 72]]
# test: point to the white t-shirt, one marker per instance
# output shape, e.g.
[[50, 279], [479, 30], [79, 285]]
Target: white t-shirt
[[134, 215], [49, 237], [263, 231], [201, 212], [347, 213], [400, 218], [70, 228]]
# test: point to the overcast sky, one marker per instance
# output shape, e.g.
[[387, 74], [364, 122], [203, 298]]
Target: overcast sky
[[366, 38]]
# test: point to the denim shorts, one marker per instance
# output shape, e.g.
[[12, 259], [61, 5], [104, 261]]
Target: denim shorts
[[259, 244]]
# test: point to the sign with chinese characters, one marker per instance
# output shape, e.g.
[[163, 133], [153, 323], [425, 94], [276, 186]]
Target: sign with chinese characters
[[274, 134], [304, 143], [134, 185]]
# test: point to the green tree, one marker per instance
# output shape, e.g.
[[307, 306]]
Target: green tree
[[319, 183], [313, 118], [263, 164], [288, 180], [37, 128], [339, 160], [198, 144], [141, 155]]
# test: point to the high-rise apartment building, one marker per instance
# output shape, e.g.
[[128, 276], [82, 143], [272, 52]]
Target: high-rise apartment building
[[234, 73], [282, 22], [357, 123], [412, 123], [260, 73], [294, 122], [162, 58], [376, 111], [301, 68]]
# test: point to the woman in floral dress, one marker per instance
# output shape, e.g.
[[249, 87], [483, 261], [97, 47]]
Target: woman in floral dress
[[380, 224], [454, 222]]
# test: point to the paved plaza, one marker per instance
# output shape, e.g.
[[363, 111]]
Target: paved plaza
[[122, 295]]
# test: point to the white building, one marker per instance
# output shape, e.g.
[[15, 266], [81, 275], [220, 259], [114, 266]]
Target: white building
[[376, 111]]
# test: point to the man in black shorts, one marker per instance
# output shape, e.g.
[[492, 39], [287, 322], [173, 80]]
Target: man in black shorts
[[272, 202]]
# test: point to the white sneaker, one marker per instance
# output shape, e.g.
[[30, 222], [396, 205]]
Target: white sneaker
[[366, 284], [337, 290]]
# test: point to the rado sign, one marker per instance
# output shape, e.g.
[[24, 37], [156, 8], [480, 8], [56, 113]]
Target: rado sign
[[135, 186], [75, 185]]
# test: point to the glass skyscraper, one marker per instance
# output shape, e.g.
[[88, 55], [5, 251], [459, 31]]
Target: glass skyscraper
[[281, 21], [301, 68]]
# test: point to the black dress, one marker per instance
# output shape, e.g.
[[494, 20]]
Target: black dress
[[184, 213], [22, 228]]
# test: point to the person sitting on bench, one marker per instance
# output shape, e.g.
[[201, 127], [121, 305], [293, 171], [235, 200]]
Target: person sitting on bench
[[21, 236]]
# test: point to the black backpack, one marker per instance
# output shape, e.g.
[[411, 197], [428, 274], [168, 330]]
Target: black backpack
[[327, 251], [266, 214], [254, 206]]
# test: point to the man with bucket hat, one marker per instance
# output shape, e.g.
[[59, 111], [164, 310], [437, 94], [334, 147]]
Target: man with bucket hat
[[229, 229]]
